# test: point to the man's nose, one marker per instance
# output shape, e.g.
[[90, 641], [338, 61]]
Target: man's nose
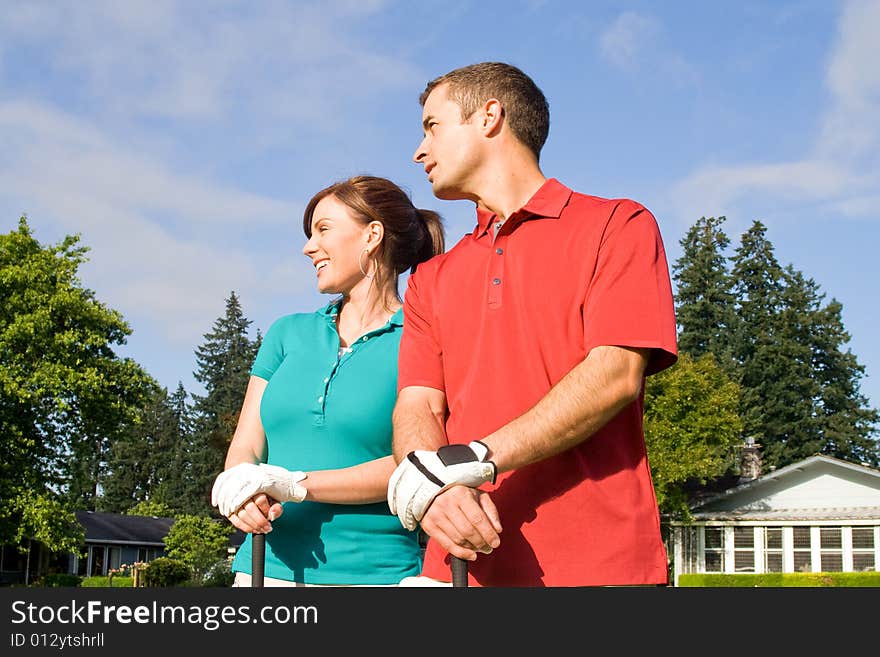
[[420, 152]]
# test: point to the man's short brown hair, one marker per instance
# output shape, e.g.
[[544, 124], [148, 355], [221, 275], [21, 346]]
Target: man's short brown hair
[[523, 103]]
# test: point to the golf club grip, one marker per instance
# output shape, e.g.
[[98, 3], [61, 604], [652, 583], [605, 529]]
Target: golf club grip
[[459, 571], [258, 560]]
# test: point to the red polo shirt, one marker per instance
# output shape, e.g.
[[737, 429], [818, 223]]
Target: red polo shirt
[[494, 323]]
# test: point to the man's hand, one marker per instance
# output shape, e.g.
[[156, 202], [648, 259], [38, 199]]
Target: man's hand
[[464, 522], [423, 475], [238, 484]]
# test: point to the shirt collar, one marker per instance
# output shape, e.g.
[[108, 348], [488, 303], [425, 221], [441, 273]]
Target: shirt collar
[[548, 202], [330, 311]]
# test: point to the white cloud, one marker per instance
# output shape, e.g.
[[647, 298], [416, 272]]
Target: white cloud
[[180, 60], [634, 43], [852, 127], [623, 42], [53, 150], [143, 80], [717, 186], [839, 169], [164, 245]]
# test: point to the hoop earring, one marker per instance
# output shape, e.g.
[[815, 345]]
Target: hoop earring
[[361, 266]]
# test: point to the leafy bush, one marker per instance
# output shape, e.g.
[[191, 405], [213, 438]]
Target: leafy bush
[[753, 580], [199, 542], [53, 580], [220, 574], [165, 571]]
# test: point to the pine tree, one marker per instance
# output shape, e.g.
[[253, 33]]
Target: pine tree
[[176, 487], [841, 423], [224, 362], [134, 457], [800, 393], [764, 365], [705, 309], [151, 462]]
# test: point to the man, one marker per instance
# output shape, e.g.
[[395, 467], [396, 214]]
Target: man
[[518, 424]]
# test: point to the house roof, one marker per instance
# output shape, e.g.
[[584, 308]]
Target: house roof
[[869, 514], [101, 527], [818, 488], [118, 528]]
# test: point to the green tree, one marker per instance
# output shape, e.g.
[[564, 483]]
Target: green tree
[[44, 519], [224, 361], [765, 359], [132, 459], [64, 393], [199, 542], [835, 417], [150, 461], [692, 427], [151, 508], [705, 303], [175, 486], [800, 387]]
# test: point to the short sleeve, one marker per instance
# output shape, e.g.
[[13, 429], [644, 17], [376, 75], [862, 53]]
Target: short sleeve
[[271, 352], [420, 360], [629, 302]]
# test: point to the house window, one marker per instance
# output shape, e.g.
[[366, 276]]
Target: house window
[[97, 553], [145, 555], [82, 565], [863, 549], [115, 557], [689, 537], [773, 550], [713, 548], [744, 549], [831, 549], [803, 562]]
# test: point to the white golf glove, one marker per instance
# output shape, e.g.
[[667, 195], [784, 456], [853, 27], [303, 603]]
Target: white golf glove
[[238, 484], [423, 475]]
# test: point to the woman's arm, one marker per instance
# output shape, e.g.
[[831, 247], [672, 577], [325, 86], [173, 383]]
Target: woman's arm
[[249, 440]]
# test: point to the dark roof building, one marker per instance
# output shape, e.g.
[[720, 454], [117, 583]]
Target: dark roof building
[[121, 529]]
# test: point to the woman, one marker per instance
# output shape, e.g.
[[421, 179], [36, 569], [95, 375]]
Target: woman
[[315, 426]]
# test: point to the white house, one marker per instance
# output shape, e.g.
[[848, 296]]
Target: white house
[[821, 514]]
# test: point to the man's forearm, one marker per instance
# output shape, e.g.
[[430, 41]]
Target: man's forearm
[[419, 422], [580, 404]]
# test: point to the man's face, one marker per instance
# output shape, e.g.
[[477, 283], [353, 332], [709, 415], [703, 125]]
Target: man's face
[[450, 150]]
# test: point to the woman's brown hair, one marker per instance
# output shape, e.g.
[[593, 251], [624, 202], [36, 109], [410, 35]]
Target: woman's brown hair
[[412, 235]]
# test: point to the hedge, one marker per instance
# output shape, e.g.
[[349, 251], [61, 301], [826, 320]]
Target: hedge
[[870, 578]]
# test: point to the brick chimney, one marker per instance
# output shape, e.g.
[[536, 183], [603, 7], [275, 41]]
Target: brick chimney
[[749, 461]]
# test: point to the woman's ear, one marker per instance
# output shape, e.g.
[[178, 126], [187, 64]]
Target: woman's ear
[[375, 233]]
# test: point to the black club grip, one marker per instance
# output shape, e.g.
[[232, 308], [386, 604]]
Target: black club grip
[[258, 560], [459, 571]]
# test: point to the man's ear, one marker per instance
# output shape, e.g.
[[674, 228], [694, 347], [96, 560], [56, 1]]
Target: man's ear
[[492, 116]]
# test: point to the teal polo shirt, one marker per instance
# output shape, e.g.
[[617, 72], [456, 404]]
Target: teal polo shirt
[[322, 411]]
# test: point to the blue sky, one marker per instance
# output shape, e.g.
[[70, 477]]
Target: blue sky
[[182, 140]]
